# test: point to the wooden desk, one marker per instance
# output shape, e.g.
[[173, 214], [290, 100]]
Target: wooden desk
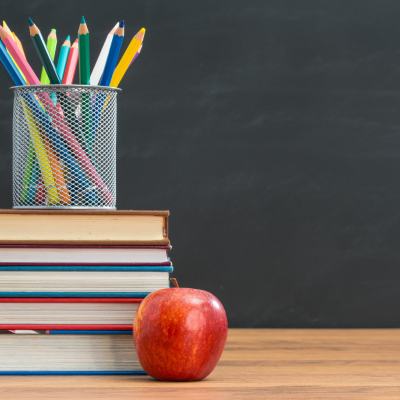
[[256, 364]]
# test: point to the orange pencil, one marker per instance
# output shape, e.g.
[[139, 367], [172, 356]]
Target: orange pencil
[[72, 62], [56, 170]]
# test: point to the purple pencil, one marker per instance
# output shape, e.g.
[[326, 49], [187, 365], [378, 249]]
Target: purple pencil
[[136, 55]]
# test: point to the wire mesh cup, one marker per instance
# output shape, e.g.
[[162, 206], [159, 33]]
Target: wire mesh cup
[[64, 146]]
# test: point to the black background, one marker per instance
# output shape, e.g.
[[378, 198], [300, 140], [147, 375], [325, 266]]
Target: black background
[[271, 131]]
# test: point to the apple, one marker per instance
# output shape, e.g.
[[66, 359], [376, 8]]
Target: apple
[[180, 333]]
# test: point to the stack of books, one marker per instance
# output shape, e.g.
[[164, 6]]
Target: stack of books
[[70, 285]]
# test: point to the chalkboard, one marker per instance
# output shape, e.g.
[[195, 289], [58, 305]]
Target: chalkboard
[[271, 131]]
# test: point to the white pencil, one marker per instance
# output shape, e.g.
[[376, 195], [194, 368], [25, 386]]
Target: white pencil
[[101, 61]]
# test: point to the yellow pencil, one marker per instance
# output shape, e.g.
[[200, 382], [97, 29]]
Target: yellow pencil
[[18, 43], [126, 59], [7, 29], [41, 155]]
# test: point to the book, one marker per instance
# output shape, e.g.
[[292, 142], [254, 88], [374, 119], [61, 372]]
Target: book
[[84, 227], [84, 255], [67, 353], [82, 281], [68, 313]]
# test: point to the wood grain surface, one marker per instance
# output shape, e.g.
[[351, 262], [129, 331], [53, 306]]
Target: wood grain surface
[[256, 364]]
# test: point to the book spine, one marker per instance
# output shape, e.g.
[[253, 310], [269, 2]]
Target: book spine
[[72, 373], [84, 268], [50, 264], [68, 300], [72, 294], [67, 328]]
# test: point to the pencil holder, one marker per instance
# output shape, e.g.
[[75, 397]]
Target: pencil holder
[[64, 146]]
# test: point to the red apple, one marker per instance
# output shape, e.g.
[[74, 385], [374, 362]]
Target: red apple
[[180, 334]]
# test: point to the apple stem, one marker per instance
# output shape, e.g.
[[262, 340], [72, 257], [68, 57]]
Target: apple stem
[[174, 281]]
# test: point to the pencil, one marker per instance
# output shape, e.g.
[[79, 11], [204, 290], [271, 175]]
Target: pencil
[[63, 57], [9, 66], [18, 43], [101, 61], [30, 163], [7, 29], [136, 55], [112, 57], [127, 58], [19, 59], [43, 53], [84, 54], [41, 154], [72, 62], [51, 45], [55, 168], [33, 183]]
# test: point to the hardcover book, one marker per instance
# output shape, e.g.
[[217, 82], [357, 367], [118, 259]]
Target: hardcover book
[[82, 281], [68, 313], [49, 352], [84, 255], [81, 227]]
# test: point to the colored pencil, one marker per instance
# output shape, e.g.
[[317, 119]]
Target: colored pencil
[[51, 46], [19, 59], [63, 57], [101, 61], [112, 57], [43, 53], [84, 79], [84, 54], [9, 65], [55, 168], [136, 55], [127, 58], [42, 156], [30, 163], [33, 183], [7, 29], [6, 63], [69, 73], [18, 43]]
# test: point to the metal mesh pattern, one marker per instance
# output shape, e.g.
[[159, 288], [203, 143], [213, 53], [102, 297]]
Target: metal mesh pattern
[[64, 146]]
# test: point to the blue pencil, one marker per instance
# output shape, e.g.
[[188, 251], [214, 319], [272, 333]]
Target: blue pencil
[[10, 67], [112, 57], [63, 57]]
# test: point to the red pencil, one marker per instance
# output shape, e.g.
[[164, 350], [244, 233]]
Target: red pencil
[[72, 62]]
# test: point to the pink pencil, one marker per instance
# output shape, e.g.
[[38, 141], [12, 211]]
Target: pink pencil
[[18, 57]]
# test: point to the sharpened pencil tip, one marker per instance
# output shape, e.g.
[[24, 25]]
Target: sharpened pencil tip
[[30, 22], [83, 20], [143, 30], [68, 38], [121, 24], [53, 30], [4, 24]]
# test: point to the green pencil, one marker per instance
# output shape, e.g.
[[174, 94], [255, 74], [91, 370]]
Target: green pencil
[[44, 55], [51, 47], [84, 54], [84, 79]]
